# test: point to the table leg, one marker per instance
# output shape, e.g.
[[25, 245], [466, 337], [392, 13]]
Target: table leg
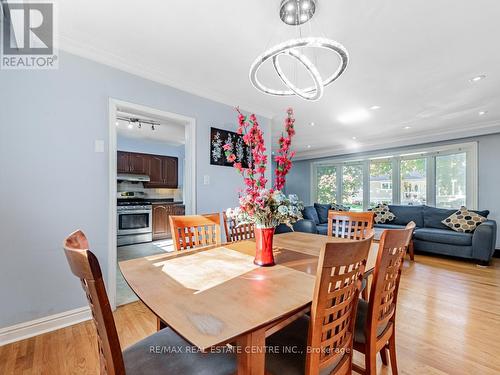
[[251, 353]]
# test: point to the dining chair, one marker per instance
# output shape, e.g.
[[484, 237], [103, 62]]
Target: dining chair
[[352, 225], [138, 359], [322, 342], [376, 319], [237, 232], [195, 230]]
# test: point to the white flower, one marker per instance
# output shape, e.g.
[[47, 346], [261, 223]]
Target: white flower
[[283, 210], [293, 198]]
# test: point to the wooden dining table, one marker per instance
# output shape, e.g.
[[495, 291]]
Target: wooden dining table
[[214, 296]]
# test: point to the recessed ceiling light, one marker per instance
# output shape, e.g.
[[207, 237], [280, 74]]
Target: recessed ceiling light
[[478, 78], [117, 123], [407, 127], [354, 116], [374, 107], [308, 146], [130, 126], [354, 138], [482, 113], [290, 7], [312, 123]]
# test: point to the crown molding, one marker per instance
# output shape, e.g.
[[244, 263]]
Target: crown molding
[[473, 130], [106, 58]]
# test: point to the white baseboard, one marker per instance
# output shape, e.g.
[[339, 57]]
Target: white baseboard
[[47, 324]]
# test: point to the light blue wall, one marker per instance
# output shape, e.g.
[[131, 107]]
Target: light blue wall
[[299, 178], [149, 146], [52, 182]]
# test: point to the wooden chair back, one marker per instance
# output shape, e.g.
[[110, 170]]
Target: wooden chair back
[[387, 275], [352, 225], [193, 231], [85, 266], [333, 313], [237, 232]]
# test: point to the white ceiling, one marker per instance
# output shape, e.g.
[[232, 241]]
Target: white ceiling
[[412, 58]]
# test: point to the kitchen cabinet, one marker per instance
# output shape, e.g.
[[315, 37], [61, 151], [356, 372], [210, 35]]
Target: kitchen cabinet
[[123, 162], [163, 171], [139, 163], [161, 218]]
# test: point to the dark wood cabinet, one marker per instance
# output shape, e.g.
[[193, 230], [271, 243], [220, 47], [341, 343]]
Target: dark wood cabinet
[[161, 215], [139, 163], [163, 171], [170, 169], [123, 162]]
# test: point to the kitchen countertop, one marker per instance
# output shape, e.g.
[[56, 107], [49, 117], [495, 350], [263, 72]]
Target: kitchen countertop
[[165, 201]]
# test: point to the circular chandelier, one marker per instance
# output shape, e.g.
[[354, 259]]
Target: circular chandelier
[[295, 13]]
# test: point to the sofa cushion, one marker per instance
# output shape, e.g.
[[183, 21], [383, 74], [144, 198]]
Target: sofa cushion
[[464, 221], [405, 214], [340, 207], [434, 216], [322, 210], [446, 236], [322, 229], [310, 213]]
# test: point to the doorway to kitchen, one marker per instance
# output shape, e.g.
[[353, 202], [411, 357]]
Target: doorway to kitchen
[[151, 176]]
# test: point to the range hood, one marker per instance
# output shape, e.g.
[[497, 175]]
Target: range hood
[[132, 177]]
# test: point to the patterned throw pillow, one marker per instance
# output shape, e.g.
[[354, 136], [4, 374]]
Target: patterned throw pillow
[[383, 214], [464, 220], [340, 207]]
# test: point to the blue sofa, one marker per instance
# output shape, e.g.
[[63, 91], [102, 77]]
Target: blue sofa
[[431, 235]]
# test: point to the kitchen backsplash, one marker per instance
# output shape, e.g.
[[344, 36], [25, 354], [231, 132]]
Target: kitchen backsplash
[[176, 194]]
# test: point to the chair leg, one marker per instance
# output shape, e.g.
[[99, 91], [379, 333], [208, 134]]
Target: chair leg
[[411, 249], [383, 355], [371, 362], [392, 354], [160, 324]]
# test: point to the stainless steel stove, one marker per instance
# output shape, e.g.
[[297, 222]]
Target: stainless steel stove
[[133, 219]]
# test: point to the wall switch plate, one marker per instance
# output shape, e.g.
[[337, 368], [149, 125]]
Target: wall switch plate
[[206, 179], [98, 145]]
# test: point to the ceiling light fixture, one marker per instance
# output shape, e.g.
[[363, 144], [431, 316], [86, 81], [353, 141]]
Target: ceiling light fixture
[[130, 126], [354, 116], [291, 14], [374, 107], [407, 127], [477, 78], [117, 123], [308, 146], [312, 124], [482, 113], [354, 138]]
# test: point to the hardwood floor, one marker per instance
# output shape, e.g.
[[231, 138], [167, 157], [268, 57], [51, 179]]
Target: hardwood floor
[[448, 322]]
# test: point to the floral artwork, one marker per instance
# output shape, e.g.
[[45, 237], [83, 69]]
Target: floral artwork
[[259, 205], [220, 137]]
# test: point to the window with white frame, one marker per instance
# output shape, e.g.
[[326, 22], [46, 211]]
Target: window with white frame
[[443, 176]]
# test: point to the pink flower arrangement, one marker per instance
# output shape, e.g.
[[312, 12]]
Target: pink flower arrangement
[[257, 203]]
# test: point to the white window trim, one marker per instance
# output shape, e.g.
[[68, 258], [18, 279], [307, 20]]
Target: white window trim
[[470, 148]]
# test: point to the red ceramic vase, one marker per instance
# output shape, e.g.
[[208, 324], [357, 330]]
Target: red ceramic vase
[[264, 247]]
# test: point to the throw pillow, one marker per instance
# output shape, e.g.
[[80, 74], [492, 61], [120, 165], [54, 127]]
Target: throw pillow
[[464, 220], [322, 210], [383, 214], [340, 207]]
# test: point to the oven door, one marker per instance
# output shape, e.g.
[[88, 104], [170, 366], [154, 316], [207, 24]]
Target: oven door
[[134, 222]]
